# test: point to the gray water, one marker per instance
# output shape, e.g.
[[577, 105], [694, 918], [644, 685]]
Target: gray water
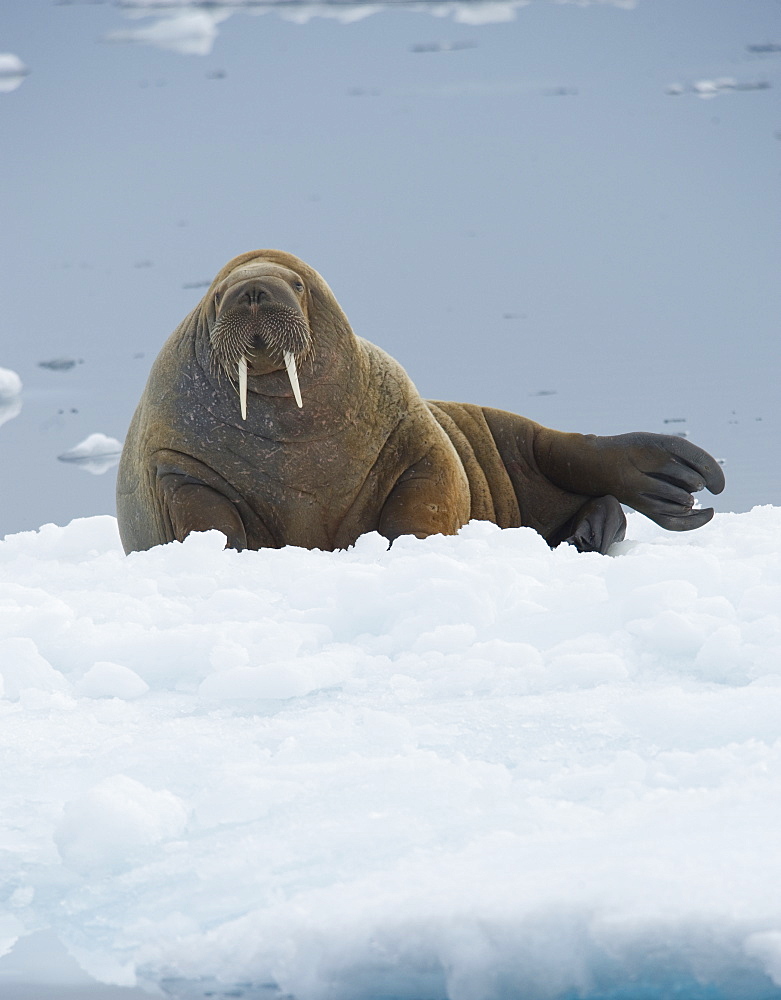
[[526, 213]]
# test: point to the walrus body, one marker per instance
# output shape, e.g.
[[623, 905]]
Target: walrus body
[[362, 451]]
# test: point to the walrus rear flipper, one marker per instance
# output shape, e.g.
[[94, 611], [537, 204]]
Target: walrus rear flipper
[[656, 474], [569, 487], [598, 524]]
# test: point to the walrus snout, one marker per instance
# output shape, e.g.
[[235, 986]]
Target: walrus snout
[[260, 313], [259, 327], [257, 292]]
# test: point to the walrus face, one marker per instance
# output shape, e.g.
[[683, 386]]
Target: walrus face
[[260, 325]]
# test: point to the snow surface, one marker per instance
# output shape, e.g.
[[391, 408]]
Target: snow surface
[[465, 767]]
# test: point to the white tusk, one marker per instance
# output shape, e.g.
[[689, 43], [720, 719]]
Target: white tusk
[[243, 386], [292, 374]]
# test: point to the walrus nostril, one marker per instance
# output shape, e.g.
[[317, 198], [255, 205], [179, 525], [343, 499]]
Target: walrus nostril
[[254, 296]]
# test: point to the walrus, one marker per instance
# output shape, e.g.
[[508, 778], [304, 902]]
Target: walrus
[[267, 418]]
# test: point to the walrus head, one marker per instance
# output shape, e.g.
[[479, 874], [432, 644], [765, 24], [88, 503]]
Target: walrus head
[[259, 324]]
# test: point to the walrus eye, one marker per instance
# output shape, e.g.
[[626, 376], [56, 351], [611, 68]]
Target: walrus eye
[[298, 286]]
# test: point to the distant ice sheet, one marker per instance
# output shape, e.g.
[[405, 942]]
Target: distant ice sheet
[[96, 454], [10, 395], [465, 768], [192, 27]]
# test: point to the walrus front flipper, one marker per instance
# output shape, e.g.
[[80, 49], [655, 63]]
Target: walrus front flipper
[[655, 474], [193, 506], [430, 498], [596, 526]]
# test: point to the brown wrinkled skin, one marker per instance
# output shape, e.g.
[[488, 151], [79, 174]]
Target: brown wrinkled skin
[[366, 453]]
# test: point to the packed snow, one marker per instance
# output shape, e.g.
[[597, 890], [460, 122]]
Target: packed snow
[[466, 767]]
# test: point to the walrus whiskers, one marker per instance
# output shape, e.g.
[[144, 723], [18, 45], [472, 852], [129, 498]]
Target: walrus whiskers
[[283, 333]]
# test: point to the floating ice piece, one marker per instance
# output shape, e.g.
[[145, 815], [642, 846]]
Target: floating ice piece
[[97, 453], [185, 31], [10, 395], [12, 72], [456, 46], [711, 88], [10, 385]]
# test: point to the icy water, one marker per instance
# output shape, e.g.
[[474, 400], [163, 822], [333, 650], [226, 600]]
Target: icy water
[[564, 210]]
